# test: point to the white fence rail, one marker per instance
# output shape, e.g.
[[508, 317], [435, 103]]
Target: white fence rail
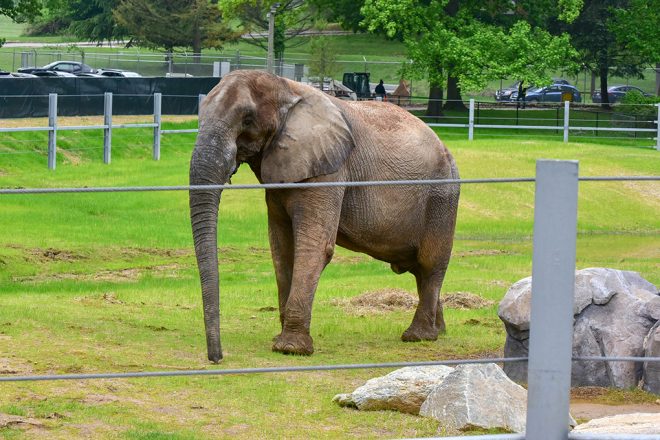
[[53, 128]]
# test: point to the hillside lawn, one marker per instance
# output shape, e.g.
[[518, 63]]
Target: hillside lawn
[[108, 283]]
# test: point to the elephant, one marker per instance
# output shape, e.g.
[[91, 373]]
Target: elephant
[[291, 132]]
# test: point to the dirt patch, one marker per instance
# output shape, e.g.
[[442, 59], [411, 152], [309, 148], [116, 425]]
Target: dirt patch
[[480, 253], [51, 254], [588, 411], [70, 157], [465, 301], [11, 421], [12, 366], [119, 275], [378, 301]]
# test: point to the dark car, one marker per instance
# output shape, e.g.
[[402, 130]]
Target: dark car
[[73, 67], [505, 93], [553, 93], [616, 93], [4, 74], [57, 73]]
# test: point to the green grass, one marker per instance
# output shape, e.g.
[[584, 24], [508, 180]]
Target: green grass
[[107, 282]]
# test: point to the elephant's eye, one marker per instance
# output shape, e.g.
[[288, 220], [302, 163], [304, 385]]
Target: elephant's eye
[[248, 121]]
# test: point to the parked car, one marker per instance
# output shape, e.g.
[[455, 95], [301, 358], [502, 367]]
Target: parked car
[[505, 93], [4, 74], [552, 93], [616, 93], [118, 73], [73, 67], [52, 73]]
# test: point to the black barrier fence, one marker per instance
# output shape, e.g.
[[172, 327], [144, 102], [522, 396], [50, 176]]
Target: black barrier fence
[[83, 96]]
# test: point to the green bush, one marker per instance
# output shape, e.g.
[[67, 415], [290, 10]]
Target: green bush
[[635, 104]]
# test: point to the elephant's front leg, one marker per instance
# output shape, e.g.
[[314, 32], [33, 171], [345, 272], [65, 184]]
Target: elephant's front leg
[[314, 217]]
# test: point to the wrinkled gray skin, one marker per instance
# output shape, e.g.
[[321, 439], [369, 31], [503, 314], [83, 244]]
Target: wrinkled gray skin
[[290, 132]]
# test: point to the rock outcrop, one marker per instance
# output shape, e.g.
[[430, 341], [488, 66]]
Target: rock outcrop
[[614, 312]]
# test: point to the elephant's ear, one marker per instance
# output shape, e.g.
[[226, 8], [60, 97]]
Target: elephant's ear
[[315, 140]]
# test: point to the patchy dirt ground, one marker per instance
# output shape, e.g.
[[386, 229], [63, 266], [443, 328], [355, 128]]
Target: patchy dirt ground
[[387, 300]]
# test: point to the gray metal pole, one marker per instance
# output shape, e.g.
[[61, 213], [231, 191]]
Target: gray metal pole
[[553, 279], [158, 100], [657, 134], [107, 131], [567, 106], [271, 37], [471, 121], [52, 134], [199, 104]]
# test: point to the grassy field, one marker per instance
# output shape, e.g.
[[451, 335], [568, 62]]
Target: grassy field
[[107, 282]]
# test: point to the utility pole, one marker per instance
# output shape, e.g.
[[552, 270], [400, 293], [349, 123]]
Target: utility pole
[[271, 35]]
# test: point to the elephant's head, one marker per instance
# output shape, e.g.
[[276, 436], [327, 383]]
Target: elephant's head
[[285, 131]]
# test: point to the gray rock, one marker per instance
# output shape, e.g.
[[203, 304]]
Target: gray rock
[[477, 396], [614, 311], [402, 390], [651, 377], [637, 423]]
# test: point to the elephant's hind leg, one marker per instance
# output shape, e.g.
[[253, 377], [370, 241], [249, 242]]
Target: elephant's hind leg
[[428, 321]]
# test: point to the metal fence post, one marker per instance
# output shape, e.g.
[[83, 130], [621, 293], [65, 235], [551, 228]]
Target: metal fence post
[[471, 121], [567, 106], [52, 133], [158, 100], [107, 131], [553, 279], [657, 134], [199, 103]]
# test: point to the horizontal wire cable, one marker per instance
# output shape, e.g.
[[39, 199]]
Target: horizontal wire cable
[[306, 185], [616, 358], [255, 370]]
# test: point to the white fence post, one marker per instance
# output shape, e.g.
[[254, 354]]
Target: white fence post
[[52, 133], [199, 104], [158, 100], [553, 280], [567, 106], [107, 131], [471, 121], [657, 133]]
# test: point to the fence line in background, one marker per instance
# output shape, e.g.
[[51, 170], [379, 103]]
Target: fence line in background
[[551, 323], [158, 130]]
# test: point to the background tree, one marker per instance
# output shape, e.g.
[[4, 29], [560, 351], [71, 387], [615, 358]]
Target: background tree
[[19, 11], [617, 37], [169, 24], [469, 42], [323, 58], [293, 17]]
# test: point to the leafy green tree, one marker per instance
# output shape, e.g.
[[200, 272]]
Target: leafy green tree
[[19, 11], [469, 42], [617, 37], [348, 13], [292, 18], [94, 20], [323, 58], [173, 23]]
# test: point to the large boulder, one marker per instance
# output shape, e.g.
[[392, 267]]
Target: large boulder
[[651, 377], [614, 312], [637, 423], [477, 396], [402, 390]]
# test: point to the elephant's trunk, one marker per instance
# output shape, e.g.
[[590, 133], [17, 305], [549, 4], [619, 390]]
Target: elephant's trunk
[[210, 165]]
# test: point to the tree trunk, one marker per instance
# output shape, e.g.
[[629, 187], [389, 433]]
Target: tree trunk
[[197, 45], [592, 89], [434, 108], [454, 99], [604, 97], [657, 79]]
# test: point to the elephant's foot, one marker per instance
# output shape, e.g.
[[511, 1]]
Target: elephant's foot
[[416, 333], [294, 343]]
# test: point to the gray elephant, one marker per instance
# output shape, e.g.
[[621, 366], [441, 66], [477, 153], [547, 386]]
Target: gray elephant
[[290, 132]]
